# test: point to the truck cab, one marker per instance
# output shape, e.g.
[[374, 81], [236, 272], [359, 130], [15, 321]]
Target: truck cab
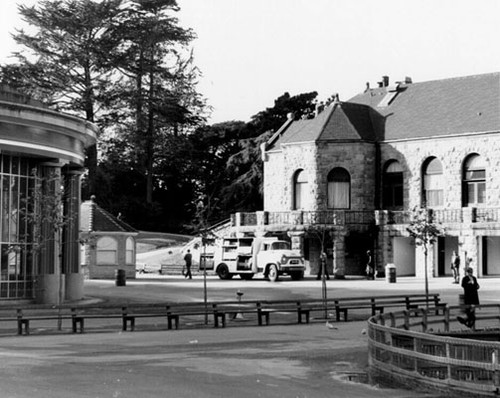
[[275, 258]]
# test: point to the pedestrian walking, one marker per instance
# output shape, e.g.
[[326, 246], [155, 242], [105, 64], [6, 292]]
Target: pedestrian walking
[[455, 266], [370, 271], [188, 259], [471, 298], [322, 267]]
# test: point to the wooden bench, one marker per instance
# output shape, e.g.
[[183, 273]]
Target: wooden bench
[[24, 316], [264, 309], [380, 303], [79, 314]]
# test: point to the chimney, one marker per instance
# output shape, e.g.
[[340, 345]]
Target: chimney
[[408, 80], [367, 87], [319, 108], [385, 81]]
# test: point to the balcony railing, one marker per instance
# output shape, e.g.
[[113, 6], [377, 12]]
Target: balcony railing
[[361, 217], [340, 217]]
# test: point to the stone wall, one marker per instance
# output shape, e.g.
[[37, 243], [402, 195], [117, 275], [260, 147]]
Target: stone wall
[[452, 152], [317, 160]]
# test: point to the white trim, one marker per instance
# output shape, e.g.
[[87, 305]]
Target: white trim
[[437, 137], [41, 147]]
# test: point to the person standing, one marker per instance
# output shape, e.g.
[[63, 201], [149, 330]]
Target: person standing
[[322, 267], [471, 298], [370, 272], [188, 259], [455, 266]]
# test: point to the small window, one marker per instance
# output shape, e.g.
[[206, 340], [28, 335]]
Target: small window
[[107, 251], [300, 190], [393, 185], [433, 183], [474, 181], [339, 189]]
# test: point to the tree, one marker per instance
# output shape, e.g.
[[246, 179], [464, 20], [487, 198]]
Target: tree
[[157, 79], [50, 220], [425, 233], [244, 193], [321, 233], [64, 62]]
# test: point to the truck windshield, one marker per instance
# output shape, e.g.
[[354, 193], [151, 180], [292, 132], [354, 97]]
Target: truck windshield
[[280, 246]]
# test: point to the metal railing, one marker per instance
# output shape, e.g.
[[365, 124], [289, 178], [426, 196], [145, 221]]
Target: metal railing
[[364, 217], [428, 347]]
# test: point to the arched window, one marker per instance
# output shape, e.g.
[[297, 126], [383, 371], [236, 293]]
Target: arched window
[[299, 189], [474, 184], [107, 251], [392, 191], [339, 189], [433, 183], [130, 251]]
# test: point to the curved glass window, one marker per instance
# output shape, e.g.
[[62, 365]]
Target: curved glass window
[[392, 190], [474, 181], [433, 183], [339, 189], [17, 234], [299, 189]]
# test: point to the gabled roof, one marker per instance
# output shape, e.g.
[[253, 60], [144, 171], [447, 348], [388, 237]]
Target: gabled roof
[[95, 219], [441, 107], [339, 121], [452, 106]]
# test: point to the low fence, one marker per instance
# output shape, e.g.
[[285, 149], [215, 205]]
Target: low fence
[[431, 348]]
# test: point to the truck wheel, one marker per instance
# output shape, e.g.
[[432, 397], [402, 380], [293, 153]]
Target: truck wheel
[[246, 277], [297, 276], [223, 272], [273, 273]]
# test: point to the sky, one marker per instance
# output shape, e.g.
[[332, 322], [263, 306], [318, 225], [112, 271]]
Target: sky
[[250, 52]]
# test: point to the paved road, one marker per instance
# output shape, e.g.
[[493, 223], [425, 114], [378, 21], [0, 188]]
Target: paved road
[[310, 361]]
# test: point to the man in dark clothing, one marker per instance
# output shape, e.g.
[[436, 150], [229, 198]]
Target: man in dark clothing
[[471, 298], [188, 258], [323, 268]]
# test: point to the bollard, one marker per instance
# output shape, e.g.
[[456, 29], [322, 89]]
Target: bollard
[[237, 315]]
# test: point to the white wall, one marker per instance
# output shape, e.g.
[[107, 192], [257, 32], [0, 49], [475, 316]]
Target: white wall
[[404, 256]]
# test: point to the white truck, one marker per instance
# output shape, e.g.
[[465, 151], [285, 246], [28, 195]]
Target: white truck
[[248, 256]]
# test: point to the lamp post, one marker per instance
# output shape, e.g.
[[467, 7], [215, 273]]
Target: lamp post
[[323, 283]]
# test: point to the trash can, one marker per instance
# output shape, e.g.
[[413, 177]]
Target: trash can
[[120, 277], [390, 273]]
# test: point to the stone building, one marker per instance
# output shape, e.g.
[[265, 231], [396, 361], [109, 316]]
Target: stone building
[[357, 169], [40, 152], [108, 243]]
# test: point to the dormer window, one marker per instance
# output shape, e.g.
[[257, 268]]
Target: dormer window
[[392, 91]]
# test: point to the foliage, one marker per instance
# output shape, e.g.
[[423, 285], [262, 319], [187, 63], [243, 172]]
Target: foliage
[[422, 230], [125, 65], [244, 193], [425, 233]]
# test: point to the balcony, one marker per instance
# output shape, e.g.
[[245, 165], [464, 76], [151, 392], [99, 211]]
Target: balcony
[[303, 218], [362, 217]]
